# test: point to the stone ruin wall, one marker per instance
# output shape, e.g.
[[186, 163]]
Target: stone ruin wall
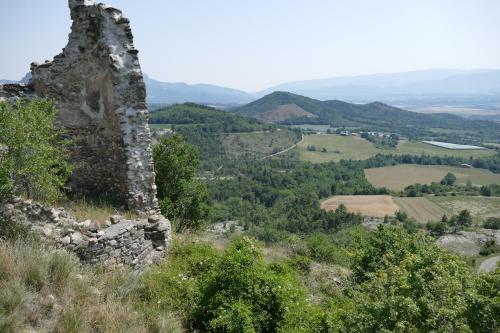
[[98, 85], [100, 93], [132, 242]]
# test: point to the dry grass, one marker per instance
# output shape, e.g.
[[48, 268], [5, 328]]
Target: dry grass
[[480, 207], [368, 205], [400, 176], [97, 212], [45, 290]]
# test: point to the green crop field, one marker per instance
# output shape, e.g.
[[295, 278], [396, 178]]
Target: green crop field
[[337, 148], [353, 147], [400, 176]]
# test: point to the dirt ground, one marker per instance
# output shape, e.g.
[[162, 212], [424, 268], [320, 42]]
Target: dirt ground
[[368, 205]]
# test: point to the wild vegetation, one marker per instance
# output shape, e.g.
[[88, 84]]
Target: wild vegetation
[[331, 273], [221, 136], [33, 152]]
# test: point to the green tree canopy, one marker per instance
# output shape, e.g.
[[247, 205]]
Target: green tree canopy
[[449, 179], [33, 153], [406, 283], [183, 198]]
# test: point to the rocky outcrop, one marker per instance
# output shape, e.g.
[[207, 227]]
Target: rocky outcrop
[[135, 243], [98, 85], [468, 242]]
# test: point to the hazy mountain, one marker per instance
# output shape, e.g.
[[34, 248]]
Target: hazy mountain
[[26, 78], [169, 93], [2, 81], [435, 86]]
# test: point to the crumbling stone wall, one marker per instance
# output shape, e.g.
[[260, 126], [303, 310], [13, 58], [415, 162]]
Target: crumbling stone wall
[[101, 97], [135, 243]]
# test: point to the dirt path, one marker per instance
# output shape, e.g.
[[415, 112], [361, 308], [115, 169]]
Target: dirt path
[[285, 150], [489, 265]]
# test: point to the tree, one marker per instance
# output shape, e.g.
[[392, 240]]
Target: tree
[[33, 151], [449, 179], [243, 294], [183, 198], [464, 218], [485, 191], [406, 283]]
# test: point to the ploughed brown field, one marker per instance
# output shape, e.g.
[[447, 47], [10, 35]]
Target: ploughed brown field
[[368, 205]]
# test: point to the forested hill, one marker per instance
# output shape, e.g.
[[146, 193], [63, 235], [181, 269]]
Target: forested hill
[[207, 118], [288, 108]]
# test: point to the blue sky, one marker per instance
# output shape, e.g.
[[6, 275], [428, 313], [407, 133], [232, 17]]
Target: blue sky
[[255, 44]]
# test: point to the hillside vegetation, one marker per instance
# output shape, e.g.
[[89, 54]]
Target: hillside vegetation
[[373, 116], [206, 118], [221, 136]]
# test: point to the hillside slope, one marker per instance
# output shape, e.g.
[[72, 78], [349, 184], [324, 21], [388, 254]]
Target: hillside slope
[[374, 116]]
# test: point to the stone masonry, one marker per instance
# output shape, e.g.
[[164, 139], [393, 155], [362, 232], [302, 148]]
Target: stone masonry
[[135, 243], [98, 85], [100, 93]]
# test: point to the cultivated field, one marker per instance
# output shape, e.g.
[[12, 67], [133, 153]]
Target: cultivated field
[[258, 144], [355, 148], [338, 148], [421, 209], [480, 207], [431, 208], [368, 205], [419, 148], [400, 176]]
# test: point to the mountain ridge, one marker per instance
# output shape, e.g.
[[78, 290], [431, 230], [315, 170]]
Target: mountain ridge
[[374, 115]]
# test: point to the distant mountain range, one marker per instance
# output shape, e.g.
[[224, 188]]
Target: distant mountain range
[[170, 93], [416, 89], [412, 90]]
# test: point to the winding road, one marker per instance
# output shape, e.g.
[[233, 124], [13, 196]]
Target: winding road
[[489, 265], [284, 150]]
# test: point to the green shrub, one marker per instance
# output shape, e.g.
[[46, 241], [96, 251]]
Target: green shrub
[[492, 223], [33, 153], [300, 263], [233, 292], [489, 247], [183, 198], [436, 228]]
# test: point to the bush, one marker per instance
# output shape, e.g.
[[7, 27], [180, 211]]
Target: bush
[[233, 292], [33, 153], [437, 228], [488, 248], [406, 283], [492, 223], [449, 179], [485, 191], [183, 199]]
